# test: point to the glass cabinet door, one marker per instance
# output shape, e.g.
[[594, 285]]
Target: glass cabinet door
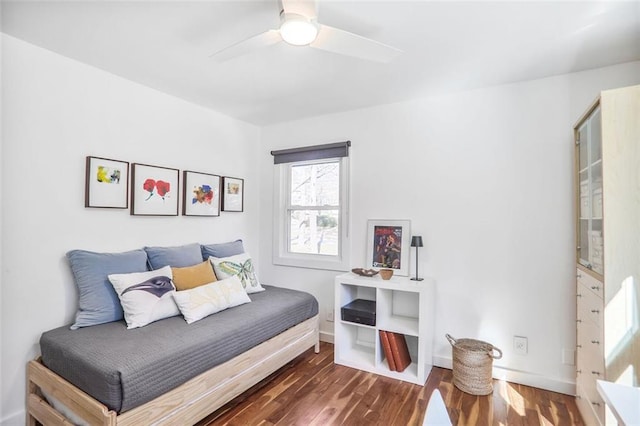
[[589, 151]]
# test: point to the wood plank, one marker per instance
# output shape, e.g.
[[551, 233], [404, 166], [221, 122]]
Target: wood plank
[[44, 413], [314, 391], [78, 401]]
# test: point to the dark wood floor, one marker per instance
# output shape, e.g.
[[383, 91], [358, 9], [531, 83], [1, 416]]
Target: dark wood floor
[[312, 390]]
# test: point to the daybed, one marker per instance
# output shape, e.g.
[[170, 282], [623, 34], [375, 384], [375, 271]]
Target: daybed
[[137, 373], [103, 371]]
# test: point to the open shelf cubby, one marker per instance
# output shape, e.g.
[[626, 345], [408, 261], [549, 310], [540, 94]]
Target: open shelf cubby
[[402, 306]]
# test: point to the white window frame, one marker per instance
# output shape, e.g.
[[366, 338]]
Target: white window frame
[[282, 197]]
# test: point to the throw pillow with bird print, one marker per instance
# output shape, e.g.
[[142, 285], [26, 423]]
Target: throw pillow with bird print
[[145, 296]]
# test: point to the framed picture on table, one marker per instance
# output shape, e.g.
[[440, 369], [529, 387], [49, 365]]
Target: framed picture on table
[[388, 245]]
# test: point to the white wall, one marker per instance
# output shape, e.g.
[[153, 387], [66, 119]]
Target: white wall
[[56, 112], [1, 209], [486, 178]]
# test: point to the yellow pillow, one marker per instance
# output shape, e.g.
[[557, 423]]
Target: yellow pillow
[[193, 276]]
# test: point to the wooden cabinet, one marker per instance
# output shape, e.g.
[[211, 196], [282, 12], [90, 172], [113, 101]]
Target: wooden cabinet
[[402, 306], [590, 344], [607, 248]]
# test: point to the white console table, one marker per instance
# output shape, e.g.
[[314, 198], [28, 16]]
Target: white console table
[[623, 401]]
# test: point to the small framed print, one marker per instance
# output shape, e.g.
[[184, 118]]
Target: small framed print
[[201, 194], [154, 190], [232, 194], [106, 183], [388, 245]]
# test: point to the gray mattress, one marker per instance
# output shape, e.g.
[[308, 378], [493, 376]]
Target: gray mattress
[[126, 368]]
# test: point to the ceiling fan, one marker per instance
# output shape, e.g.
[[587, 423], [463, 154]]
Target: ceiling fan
[[299, 27]]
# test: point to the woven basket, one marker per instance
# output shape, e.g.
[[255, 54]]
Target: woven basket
[[472, 365]]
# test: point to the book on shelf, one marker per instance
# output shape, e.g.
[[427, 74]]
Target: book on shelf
[[399, 350], [384, 339]]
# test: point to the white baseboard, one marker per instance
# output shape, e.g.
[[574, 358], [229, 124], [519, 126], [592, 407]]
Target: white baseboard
[[15, 419], [326, 337], [520, 377]]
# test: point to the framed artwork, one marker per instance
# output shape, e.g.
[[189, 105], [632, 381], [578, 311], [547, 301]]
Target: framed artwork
[[106, 183], [154, 190], [200, 194], [232, 194], [388, 245]]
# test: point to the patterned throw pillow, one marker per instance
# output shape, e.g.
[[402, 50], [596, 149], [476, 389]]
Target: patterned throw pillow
[[208, 299], [145, 296], [240, 265]]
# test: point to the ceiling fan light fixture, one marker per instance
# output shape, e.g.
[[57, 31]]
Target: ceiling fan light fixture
[[298, 30]]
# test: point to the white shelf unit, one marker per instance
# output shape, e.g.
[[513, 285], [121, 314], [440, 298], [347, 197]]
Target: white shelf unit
[[402, 306]]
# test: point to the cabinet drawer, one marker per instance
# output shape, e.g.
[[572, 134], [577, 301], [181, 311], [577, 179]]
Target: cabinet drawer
[[590, 306], [589, 368], [590, 393], [590, 283], [592, 411], [597, 404], [590, 348]]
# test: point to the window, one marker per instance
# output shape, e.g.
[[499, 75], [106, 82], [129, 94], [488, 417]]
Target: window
[[310, 214]]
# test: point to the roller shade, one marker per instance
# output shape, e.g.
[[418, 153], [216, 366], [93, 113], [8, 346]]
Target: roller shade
[[316, 152]]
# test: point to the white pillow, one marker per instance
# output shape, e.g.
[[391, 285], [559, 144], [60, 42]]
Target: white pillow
[[240, 265], [204, 300], [145, 296]]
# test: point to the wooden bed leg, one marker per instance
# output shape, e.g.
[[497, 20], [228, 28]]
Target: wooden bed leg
[[31, 389], [316, 348], [31, 421]]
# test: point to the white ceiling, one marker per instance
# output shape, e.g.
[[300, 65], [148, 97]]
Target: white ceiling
[[449, 46]]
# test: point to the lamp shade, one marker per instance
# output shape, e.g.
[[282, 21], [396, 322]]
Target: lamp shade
[[416, 241]]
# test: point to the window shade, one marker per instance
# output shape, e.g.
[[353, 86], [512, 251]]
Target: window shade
[[316, 152]]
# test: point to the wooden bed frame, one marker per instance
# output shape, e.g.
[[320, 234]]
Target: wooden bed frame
[[186, 404]]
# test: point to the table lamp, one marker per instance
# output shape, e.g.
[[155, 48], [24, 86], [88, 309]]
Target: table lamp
[[416, 242]]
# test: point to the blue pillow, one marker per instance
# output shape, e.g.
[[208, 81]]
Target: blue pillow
[[222, 250], [98, 302], [178, 257]]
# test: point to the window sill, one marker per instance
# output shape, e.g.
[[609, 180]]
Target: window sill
[[314, 263]]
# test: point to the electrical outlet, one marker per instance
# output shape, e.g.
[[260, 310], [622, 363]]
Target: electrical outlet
[[330, 314], [568, 356], [520, 345]]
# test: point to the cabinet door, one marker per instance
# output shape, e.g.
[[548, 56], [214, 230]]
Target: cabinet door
[[589, 178]]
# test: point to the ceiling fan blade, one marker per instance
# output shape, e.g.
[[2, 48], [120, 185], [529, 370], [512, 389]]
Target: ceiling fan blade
[[307, 8], [247, 46], [345, 43]]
